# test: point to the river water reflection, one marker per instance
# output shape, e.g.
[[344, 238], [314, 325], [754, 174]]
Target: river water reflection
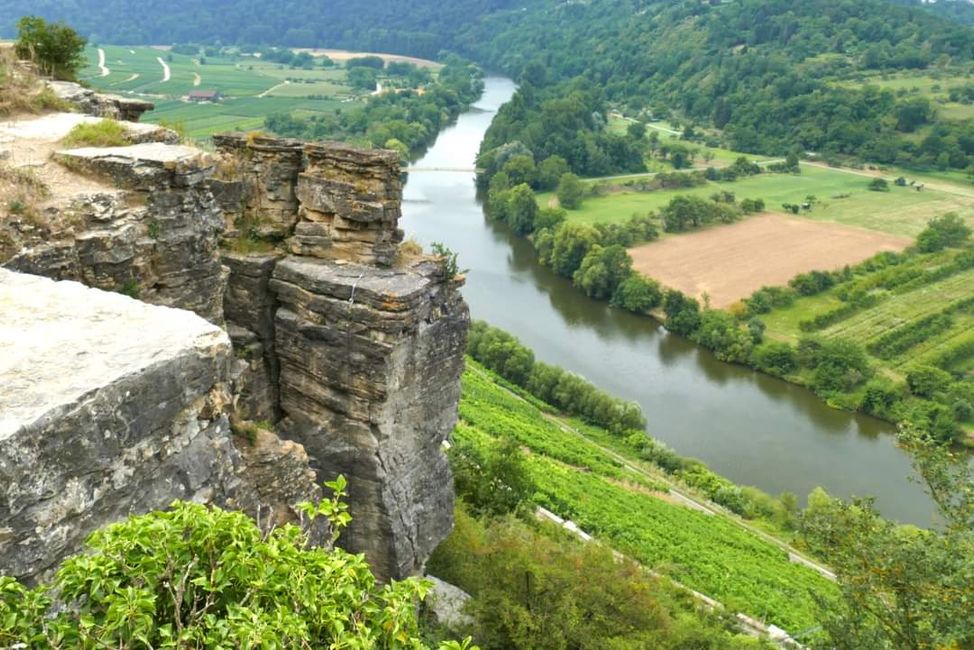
[[752, 428]]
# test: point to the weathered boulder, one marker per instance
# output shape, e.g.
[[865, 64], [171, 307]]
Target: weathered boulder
[[370, 361], [112, 407], [109, 406]]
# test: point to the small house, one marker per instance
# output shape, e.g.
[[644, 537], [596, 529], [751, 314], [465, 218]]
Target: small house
[[204, 96]]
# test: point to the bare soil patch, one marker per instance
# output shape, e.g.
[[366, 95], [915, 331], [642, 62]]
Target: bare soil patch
[[731, 262]]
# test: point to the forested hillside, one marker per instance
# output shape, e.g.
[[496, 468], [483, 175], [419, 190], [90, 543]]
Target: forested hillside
[[421, 28], [773, 76]]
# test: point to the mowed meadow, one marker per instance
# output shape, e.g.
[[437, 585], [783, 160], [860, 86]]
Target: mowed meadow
[[250, 88], [841, 196]]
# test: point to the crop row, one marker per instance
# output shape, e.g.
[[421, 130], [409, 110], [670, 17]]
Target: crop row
[[578, 480]]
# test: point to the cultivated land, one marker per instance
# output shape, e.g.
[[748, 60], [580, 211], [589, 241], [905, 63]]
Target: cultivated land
[[579, 476], [251, 89], [841, 196], [729, 262]]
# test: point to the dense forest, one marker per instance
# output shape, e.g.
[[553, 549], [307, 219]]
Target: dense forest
[[772, 75], [418, 28]]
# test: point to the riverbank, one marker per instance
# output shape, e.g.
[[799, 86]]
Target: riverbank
[[752, 428]]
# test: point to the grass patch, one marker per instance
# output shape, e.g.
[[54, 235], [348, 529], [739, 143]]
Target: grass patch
[[106, 133], [21, 91]]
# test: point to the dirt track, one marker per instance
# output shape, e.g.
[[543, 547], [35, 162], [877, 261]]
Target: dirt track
[[731, 262]]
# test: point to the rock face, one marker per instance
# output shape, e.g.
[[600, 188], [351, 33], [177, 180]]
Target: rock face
[[92, 103], [153, 232], [369, 367], [112, 407], [337, 343], [358, 355]]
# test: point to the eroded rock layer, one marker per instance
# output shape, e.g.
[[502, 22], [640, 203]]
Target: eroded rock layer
[[110, 407], [369, 377]]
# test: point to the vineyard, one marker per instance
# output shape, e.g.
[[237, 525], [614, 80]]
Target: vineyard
[[577, 479], [921, 310]]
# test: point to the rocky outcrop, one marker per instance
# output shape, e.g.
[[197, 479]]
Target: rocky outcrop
[[338, 344], [370, 361], [111, 407], [256, 182], [359, 352], [350, 205], [157, 239], [100, 105]]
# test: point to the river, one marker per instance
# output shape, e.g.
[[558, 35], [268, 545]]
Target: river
[[752, 428]]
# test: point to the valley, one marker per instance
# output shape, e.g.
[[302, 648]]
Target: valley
[[657, 334]]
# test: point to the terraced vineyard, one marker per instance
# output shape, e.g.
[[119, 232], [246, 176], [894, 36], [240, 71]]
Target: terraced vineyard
[[578, 479], [919, 319]]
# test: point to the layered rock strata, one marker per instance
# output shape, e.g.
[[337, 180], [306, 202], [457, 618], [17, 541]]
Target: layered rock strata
[[150, 230], [111, 407], [337, 343], [364, 349], [369, 366]]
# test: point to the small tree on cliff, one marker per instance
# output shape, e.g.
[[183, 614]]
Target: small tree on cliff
[[196, 577], [57, 49]]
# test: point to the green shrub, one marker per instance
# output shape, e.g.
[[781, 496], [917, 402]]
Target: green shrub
[[195, 576], [942, 232], [927, 381]]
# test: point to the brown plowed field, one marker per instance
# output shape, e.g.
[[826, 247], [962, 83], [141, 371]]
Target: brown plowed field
[[731, 262]]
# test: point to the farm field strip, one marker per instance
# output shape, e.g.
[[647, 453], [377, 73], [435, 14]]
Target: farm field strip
[[251, 89], [729, 262], [842, 197], [707, 553]]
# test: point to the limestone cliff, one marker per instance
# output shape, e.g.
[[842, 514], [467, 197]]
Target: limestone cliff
[[109, 407], [349, 351], [358, 350]]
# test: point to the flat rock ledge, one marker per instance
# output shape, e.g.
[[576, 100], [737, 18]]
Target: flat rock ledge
[[108, 407]]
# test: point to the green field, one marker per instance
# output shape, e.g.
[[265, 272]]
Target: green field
[[842, 196], [251, 89], [578, 479]]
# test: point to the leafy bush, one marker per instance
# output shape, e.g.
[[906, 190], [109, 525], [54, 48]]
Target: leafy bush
[[838, 365], [878, 185], [195, 576], [942, 232], [927, 381], [682, 312], [638, 294], [775, 358], [57, 49]]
